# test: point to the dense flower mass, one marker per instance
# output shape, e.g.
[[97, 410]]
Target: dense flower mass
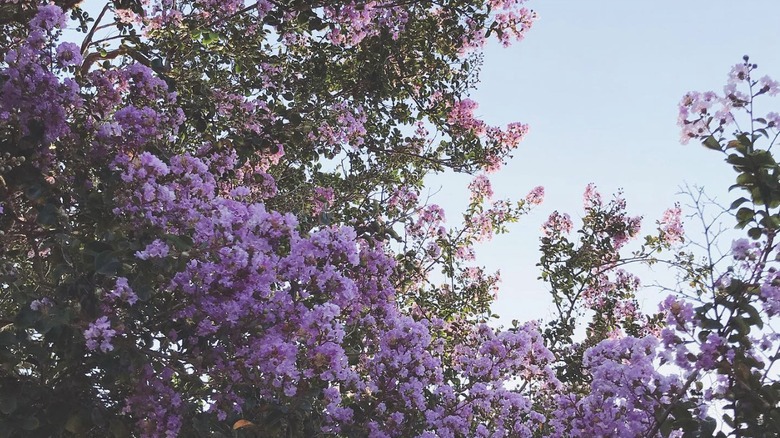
[[625, 392], [164, 191], [213, 223], [251, 277], [35, 98]]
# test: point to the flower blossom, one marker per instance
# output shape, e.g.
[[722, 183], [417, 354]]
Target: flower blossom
[[99, 334], [535, 196], [671, 226]]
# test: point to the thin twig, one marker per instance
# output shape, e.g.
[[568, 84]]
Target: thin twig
[[88, 39]]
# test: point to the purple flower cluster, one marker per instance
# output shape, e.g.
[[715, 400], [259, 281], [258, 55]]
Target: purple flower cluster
[[99, 334], [278, 307], [626, 390], [38, 97], [122, 292], [130, 108]]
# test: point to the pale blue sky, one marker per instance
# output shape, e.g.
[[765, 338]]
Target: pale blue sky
[[598, 82]]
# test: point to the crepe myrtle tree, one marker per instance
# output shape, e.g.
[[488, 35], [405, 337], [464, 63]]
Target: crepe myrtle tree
[[212, 224], [707, 363], [728, 327]]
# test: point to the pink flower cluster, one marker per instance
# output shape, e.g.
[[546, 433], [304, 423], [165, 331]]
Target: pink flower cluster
[[535, 196], [480, 189], [323, 198], [358, 21], [460, 116], [557, 222], [348, 128], [707, 114], [510, 23], [122, 292], [671, 226], [511, 20], [617, 225]]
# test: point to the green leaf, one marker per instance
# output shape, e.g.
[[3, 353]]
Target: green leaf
[[666, 428], [709, 323], [316, 24], [757, 196], [143, 292], [738, 202], [26, 317], [754, 318], [157, 64], [738, 161], [708, 426], [180, 242], [741, 325], [745, 215], [47, 215], [7, 403], [30, 423], [34, 192], [209, 37], [763, 159], [106, 263], [744, 140], [118, 429], [744, 179], [711, 143], [76, 424]]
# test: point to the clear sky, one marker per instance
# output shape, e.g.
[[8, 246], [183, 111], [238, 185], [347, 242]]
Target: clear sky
[[599, 82]]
